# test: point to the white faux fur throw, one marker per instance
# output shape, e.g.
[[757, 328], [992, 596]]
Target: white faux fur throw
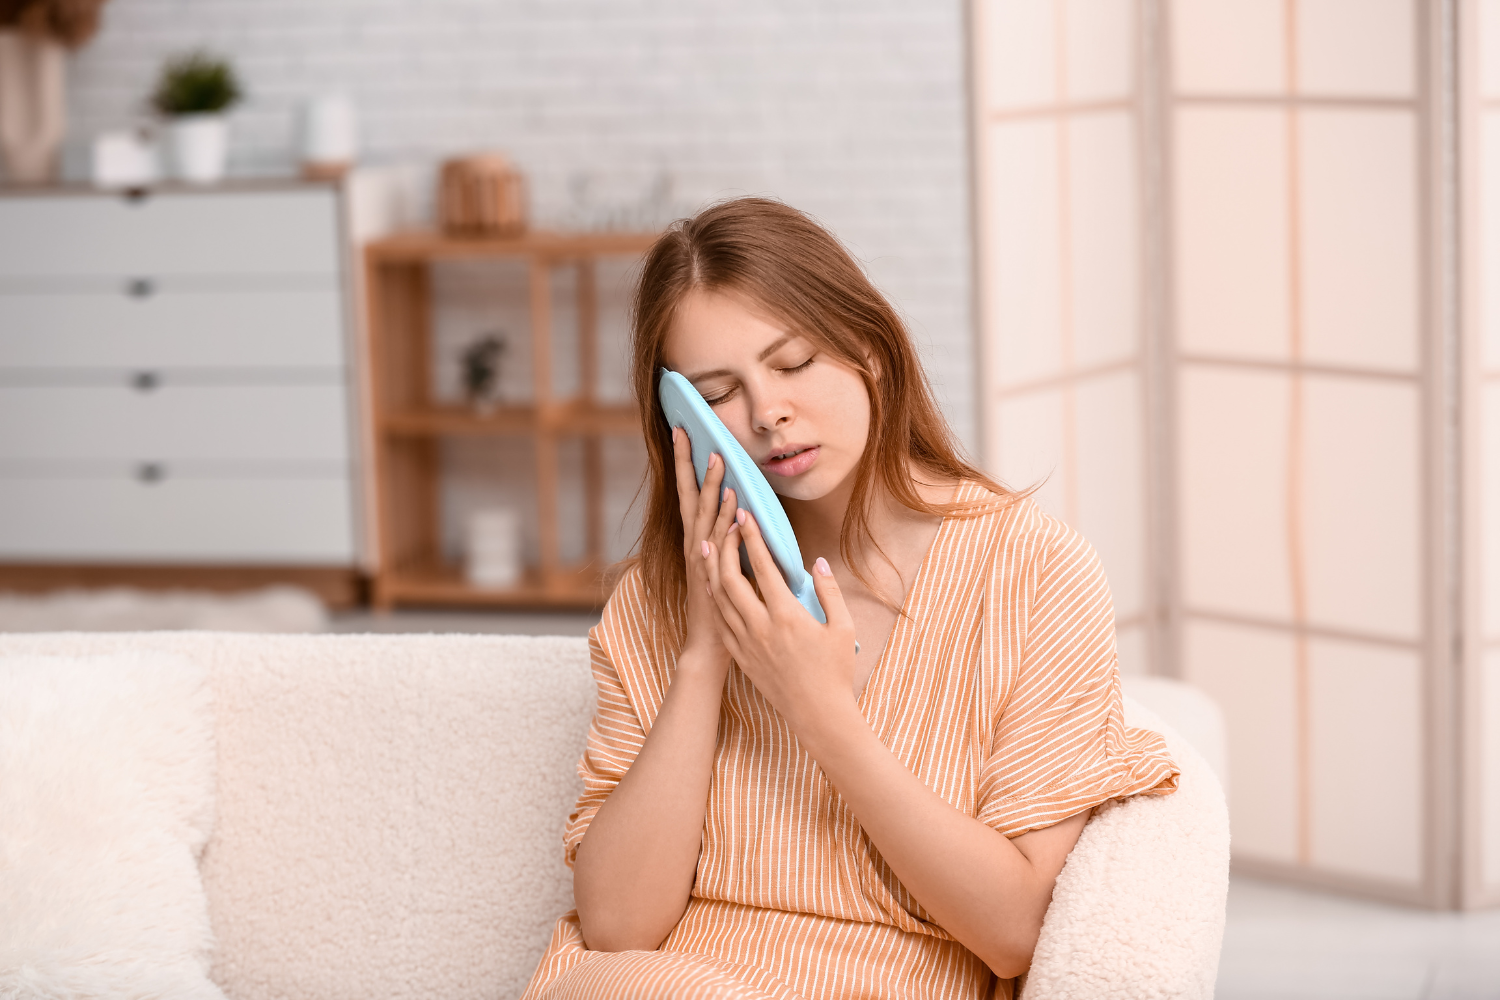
[[390, 816], [106, 802]]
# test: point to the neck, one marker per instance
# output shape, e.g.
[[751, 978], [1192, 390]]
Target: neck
[[819, 523]]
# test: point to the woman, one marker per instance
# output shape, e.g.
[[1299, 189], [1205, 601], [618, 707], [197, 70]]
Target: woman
[[767, 812]]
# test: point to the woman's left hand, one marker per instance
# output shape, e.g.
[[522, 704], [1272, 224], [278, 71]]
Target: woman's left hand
[[803, 668], [988, 891]]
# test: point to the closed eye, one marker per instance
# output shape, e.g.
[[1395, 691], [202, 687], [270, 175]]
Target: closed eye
[[725, 395]]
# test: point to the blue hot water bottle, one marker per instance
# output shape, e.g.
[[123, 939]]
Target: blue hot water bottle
[[685, 408]]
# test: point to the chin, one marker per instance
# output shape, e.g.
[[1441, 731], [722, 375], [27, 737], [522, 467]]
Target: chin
[[789, 491], [809, 486]]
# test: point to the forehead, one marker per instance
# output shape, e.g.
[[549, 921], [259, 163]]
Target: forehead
[[718, 328]]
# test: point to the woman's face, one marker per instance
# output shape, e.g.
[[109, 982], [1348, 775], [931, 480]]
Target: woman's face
[[802, 415]]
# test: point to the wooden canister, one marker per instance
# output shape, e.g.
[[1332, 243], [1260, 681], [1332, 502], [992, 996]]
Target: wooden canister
[[482, 195]]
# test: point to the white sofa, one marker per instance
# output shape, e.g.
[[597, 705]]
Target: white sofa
[[389, 813]]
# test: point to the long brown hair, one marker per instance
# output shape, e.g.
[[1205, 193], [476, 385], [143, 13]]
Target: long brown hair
[[801, 275]]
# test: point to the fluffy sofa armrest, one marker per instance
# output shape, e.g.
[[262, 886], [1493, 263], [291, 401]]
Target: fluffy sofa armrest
[[1138, 911]]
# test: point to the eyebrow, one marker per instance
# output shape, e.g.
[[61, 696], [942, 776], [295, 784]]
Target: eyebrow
[[763, 355]]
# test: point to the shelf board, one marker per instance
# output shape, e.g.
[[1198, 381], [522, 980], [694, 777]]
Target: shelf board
[[445, 585], [563, 418], [424, 245]]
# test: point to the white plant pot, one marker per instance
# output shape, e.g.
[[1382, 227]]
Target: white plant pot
[[199, 146]]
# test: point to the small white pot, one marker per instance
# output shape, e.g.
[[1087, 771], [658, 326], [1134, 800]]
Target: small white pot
[[329, 135], [199, 147], [125, 158]]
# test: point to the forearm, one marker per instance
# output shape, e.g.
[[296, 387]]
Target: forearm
[[974, 881], [635, 867]]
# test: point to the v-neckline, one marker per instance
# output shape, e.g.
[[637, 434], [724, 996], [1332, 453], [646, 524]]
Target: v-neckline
[[904, 620]]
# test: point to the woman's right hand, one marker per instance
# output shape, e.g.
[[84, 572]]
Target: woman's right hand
[[705, 518], [634, 872]]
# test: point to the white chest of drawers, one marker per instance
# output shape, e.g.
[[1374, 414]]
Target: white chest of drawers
[[174, 379]]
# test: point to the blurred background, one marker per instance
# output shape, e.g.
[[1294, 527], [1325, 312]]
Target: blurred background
[[313, 316]]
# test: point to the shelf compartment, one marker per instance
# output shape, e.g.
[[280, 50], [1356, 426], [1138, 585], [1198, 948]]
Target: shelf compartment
[[409, 425], [437, 584], [422, 247], [559, 418]]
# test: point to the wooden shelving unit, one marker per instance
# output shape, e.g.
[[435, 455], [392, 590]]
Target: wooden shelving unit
[[408, 423]]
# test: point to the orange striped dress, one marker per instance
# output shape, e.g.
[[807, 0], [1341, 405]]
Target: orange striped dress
[[998, 687]]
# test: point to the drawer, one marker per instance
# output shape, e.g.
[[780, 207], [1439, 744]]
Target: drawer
[[211, 232], [210, 520], [202, 422], [173, 329]]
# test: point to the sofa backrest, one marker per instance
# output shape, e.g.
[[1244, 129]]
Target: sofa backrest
[[390, 813], [390, 808]]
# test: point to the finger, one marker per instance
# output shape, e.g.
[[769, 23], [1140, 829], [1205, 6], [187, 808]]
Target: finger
[[733, 583], [687, 479], [733, 620], [831, 596], [725, 518], [708, 499], [732, 644], [772, 586]]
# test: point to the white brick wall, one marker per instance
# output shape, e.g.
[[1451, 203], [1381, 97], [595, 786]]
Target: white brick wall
[[853, 110], [850, 109]]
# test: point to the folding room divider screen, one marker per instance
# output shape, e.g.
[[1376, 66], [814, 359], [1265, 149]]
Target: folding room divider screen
[[1239, 270]]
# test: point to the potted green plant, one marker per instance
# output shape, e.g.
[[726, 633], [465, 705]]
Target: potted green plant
[[194, 93]]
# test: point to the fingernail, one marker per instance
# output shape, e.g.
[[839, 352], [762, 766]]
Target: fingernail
[[739, 515], [708, 589], [713, 460], [724, 495], [821, 565], [705, 549]]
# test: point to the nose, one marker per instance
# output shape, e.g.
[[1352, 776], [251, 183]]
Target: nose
[[770, 409]]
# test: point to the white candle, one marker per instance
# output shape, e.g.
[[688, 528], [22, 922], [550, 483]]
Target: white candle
[[494, 548]]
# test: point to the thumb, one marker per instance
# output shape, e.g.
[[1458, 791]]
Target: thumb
[[830, 596]]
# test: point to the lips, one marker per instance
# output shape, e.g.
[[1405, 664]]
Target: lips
[[791, 460]]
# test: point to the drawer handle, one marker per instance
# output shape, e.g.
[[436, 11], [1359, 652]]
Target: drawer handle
[[140, 288], [150, 472], [145, 381]]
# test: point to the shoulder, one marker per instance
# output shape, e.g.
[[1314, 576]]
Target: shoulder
[[627, 598], [1030, 547], [1017, 524], [629, 634]]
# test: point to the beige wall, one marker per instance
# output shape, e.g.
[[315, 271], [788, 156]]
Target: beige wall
[[1297, 212], [1057, 137], [1219, 279], [1484, 450]]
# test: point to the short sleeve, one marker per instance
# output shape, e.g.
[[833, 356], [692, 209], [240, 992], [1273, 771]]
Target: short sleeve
[[620, 649], [1060, 744]]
